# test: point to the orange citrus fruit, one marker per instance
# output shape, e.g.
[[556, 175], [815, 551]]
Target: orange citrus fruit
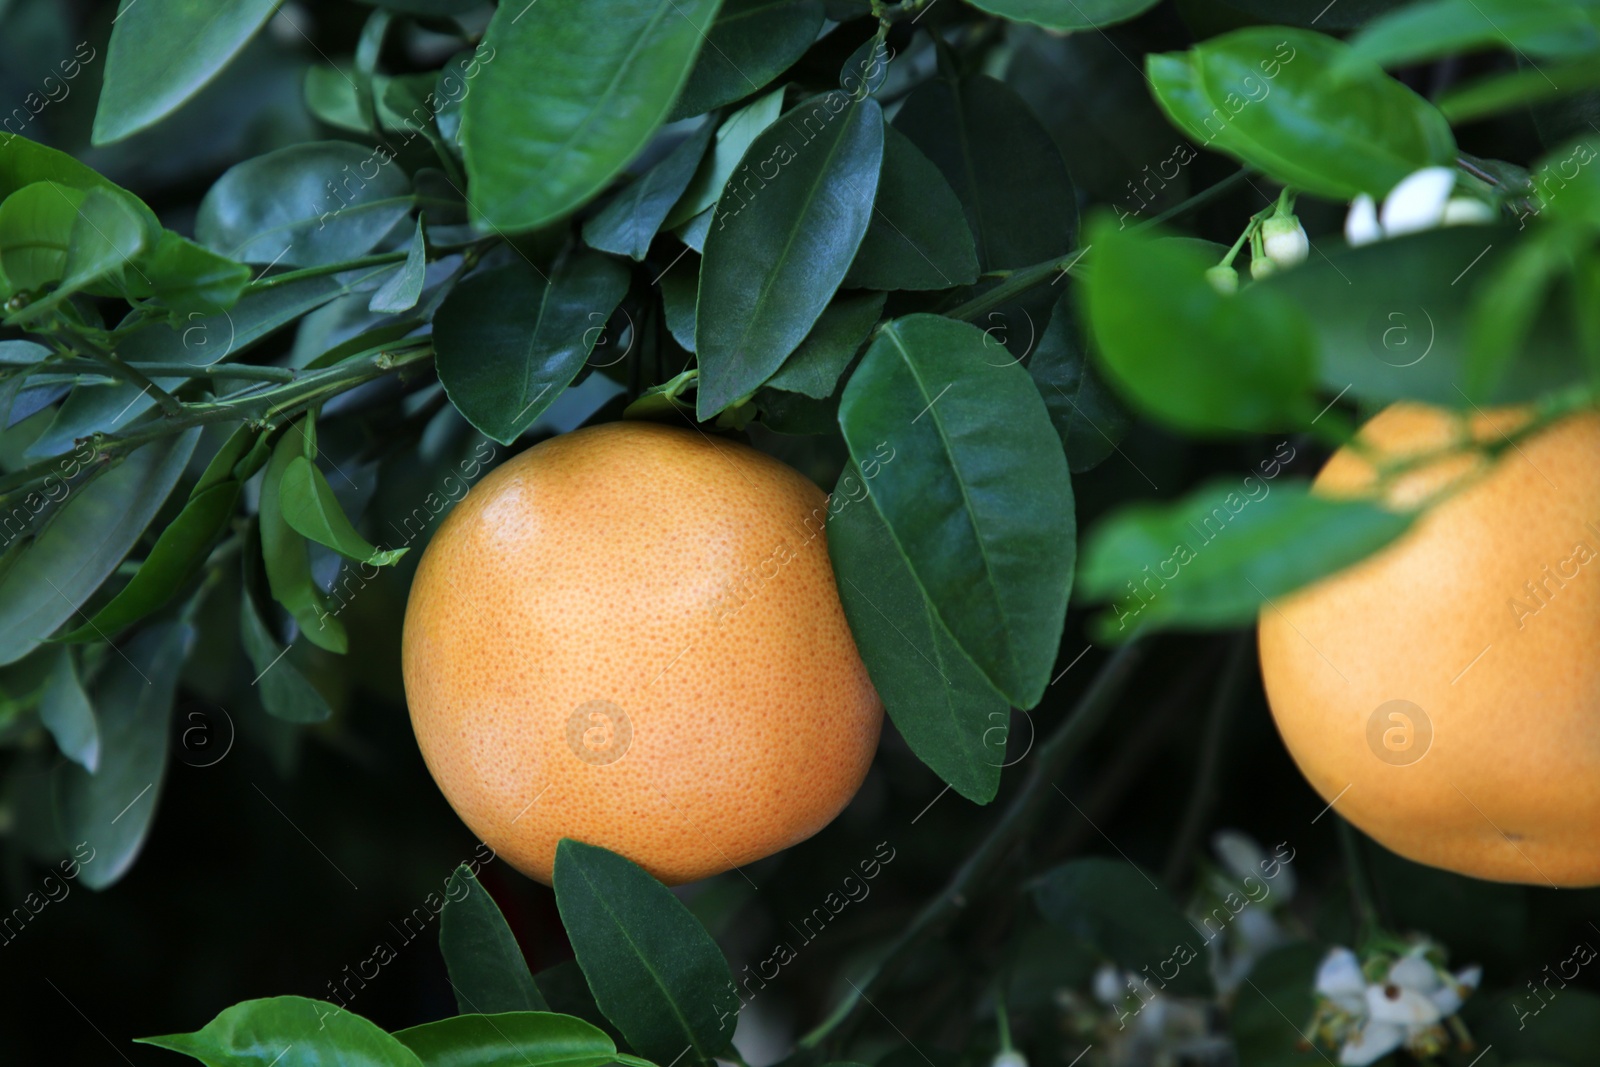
[[629, 635], [1444, 695]]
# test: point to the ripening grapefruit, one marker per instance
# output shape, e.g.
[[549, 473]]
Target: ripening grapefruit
[[629, 635], [1444, 695]]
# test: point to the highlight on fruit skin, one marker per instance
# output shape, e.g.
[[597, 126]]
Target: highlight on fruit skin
[[629, 635], [1444, 695]]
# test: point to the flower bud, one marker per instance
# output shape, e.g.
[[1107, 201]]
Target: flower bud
[[1262, 267], [1464, 210], [1285, 240], [1223, 278]]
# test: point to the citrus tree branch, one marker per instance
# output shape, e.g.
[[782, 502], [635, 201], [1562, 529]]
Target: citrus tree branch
[[1093, 708]]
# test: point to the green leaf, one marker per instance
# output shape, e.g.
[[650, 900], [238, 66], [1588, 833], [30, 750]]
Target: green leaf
[[1436, 28], [1395, 320], [980, 506], [404, 287], [628, 224], [1064, 18], [1517, 88], [311, 510], [289, 1032], [36, 225], [508, 342], [509, 1039], [780, 246], [285, 552], [814, 368], [575, 91], [163, 52], [1201, 360], [1086, 415], [1268, 96], [177, 554], [95, 528], [1118, 909], [680, 293], [940, 702], [66, 712], [1214, 558], [919, 237], [285, 692], [112, 808], [331, 96], [653, 969], [305, 205], [24, 162], [1281, 986], [733, 138], [487, 968], [189, 280], [107, 234], [1003, 165], [750, 43], [1345, 15]]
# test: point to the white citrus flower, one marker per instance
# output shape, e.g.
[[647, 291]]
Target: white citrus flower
[[1422, 201], [1372, 1019]]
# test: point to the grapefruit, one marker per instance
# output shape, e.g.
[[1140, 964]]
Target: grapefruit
[[629, 635], [1444, 695]]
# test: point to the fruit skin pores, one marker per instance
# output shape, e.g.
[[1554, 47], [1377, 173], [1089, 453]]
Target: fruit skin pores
[[629, 635], [1443, 695]]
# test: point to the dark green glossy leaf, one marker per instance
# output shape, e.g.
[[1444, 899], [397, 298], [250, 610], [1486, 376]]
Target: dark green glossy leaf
[[1212, 559], [66, 712], [868, 66], [1002, 164], [814, 368], [628, 224], [285, 552], [1189, 355], [305, 205], [312, 511], [940, 702], [487, 968], [781, 243], [285, 692], [112, 808], [173, 559], [1437, 28], [919, 237], [404, 288], [188, 279], [332, 97], [981, 507], [509, 341], [1088, 417], [680, 294], [733, 138], [163, 52], [85, 540], [1280, 986], [23, 162], [653, 969], [289, 1032], [1118, 909], [509, 1039], [1267, 96], [1066, 17], [573, 94], [750, 43]]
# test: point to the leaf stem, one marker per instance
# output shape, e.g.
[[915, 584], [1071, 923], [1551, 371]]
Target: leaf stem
[[1093, 709], [1356, 874]]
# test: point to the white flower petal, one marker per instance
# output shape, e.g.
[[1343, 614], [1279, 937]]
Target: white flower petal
[[1108, 985], [1406, 1007], [1339, 979], [1371, 1043], [1416, 973], [1361, 225], [1239, 853], [1465, 211], [1009, 1058], [1417, 203], [1448, 997]]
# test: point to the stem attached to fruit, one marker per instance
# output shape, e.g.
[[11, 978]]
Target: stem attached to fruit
[[1093, 709]]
